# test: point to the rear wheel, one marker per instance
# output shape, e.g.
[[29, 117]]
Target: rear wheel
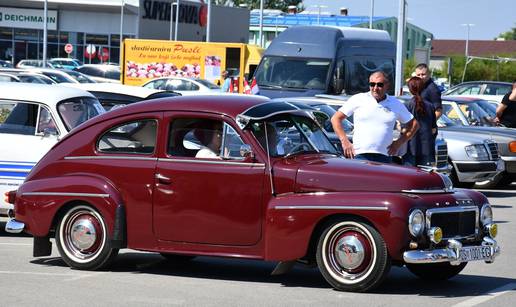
[[352, 256], [82, 239], [436, 271]]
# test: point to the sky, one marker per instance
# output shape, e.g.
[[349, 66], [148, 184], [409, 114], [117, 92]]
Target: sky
[[442, 18]]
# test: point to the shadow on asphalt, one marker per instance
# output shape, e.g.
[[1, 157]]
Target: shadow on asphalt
[[399, 281]]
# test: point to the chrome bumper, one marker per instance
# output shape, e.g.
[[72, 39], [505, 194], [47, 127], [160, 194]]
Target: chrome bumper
[[13, 226], [448, 254]]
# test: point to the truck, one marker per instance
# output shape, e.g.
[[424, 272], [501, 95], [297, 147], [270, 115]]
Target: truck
[[144, 60], [311, 60]]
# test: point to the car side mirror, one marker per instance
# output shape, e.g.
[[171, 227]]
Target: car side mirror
[[246, 152]]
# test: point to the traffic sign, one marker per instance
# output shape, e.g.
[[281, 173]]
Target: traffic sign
[[68, 48]]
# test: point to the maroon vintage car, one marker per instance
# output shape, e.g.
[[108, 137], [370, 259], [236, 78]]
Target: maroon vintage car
[[239, 176]]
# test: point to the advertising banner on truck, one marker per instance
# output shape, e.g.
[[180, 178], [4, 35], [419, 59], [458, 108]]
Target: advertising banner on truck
[[144, 60]]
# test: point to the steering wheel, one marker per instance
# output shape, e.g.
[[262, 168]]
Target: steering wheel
[[299, 147]]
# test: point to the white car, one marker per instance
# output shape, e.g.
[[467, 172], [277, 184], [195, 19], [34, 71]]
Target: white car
[[487, 90], [184, 86], [33, 117]]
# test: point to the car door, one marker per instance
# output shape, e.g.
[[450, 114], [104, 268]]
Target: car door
[[206, 200]]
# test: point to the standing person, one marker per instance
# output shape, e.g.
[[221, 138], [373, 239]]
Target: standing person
[[506, 111], [375, 114], [227, 82], [421, 148], [430, 91]]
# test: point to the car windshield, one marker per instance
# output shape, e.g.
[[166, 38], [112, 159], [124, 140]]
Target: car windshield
[[80, 77], [444, 121], [286, 135], [208, 84], [476, 115], [326, 120], [77, 110], [295, 73]]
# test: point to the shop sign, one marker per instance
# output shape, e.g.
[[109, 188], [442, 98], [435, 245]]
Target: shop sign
[[189, 13], [26, 18]]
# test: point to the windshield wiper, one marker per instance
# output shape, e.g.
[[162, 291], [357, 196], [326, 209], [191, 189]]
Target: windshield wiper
[[269, 86]]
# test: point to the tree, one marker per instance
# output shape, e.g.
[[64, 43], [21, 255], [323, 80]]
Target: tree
[[509, 35], [268, 4]]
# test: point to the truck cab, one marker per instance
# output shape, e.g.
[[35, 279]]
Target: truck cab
[[310, 60]]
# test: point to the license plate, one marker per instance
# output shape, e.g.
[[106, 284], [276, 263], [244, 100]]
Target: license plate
[[472, 253]]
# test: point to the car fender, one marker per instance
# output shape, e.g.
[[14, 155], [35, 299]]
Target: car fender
[[49, 197], [293, 220]]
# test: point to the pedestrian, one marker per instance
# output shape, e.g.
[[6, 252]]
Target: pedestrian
[[226, 86], [375, 114], [506, 111], [421, 147], [430, 91]]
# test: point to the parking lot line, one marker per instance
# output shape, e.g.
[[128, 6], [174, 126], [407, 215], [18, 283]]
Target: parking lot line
[[40, 273], [28, 244], [488, 296]]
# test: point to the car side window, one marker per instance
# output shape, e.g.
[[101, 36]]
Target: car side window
[[135, 137], [18, 117], [46, 124], [203, 138], [157, 84]]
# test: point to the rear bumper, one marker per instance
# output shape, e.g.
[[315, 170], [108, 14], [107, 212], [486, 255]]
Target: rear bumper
[[14, 226], [451, 253]]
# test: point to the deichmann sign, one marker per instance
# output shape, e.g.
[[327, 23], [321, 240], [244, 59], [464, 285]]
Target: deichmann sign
[[25, 18]]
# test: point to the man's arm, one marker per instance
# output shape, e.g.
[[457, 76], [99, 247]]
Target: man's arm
[[499, 112], [347, 146], [512, 96], [409, 131]]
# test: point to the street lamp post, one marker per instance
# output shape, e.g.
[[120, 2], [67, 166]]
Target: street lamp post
[[468, 25], [261, 23], [121, 33], [399, 47], [45, 31], [177, 20], [318, 6], [371, 15]]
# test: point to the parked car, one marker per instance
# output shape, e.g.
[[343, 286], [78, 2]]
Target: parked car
[[17, 75], [470, 111], [182, 85], [66, 63], [33, 117], [101, 72], [488, 90], [113, 96], [126, 179], [58, 75], [6, 64], [36, 63], [79, 77]]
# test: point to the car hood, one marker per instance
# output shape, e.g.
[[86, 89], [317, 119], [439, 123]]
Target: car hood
[[336, 174], [485, 132]]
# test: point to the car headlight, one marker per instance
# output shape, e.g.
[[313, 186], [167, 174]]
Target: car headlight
[[416, 222], [477, 152], [486, 215], [447, 182]]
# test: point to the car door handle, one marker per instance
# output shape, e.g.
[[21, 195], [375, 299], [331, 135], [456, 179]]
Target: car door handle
[[163, 179]]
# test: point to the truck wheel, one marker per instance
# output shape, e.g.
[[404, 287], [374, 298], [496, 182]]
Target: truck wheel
[[435, 271], [352, 256], [82, 239]]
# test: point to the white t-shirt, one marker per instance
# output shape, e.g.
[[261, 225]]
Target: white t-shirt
[[207, 153], [374, 121]]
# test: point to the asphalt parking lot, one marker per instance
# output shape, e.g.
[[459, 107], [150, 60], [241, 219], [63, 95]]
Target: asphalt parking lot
[[137, 279]]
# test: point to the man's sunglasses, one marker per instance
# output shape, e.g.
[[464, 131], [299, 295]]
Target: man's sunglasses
[[379, 84]]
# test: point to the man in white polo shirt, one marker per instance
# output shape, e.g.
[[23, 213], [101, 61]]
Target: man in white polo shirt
[[375, 115]]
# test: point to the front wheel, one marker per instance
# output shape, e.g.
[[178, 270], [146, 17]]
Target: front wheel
[[352, 256], [82, 239], [435, 271]]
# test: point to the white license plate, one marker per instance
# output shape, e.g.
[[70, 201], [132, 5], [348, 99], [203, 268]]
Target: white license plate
[[472, 253]]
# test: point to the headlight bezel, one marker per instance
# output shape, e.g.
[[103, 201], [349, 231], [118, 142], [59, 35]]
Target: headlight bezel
[[413, 230], [486, 210]]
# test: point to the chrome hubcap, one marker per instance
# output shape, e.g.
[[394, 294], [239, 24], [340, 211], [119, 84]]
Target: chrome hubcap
[[349, 252], [83, 234]]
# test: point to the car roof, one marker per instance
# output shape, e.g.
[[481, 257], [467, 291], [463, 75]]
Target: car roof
[[43, 93], [460, 98], [129, 90], [101, 66], [483, 82], [227, 104]]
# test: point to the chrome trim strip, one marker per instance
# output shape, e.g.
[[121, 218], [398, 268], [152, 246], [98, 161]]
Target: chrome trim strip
[[65, 194], [369, 208], [415, 191], [505, 158], [110, 158], [219, 162]]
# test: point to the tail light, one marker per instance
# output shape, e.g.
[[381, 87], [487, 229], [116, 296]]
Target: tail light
[[9, 197]]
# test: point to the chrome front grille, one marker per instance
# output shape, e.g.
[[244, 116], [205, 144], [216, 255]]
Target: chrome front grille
[[493, 150], [455, 222], [441, 153]]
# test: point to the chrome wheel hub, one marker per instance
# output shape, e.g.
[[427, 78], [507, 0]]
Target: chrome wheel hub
[[83, 234], [349, 252]]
